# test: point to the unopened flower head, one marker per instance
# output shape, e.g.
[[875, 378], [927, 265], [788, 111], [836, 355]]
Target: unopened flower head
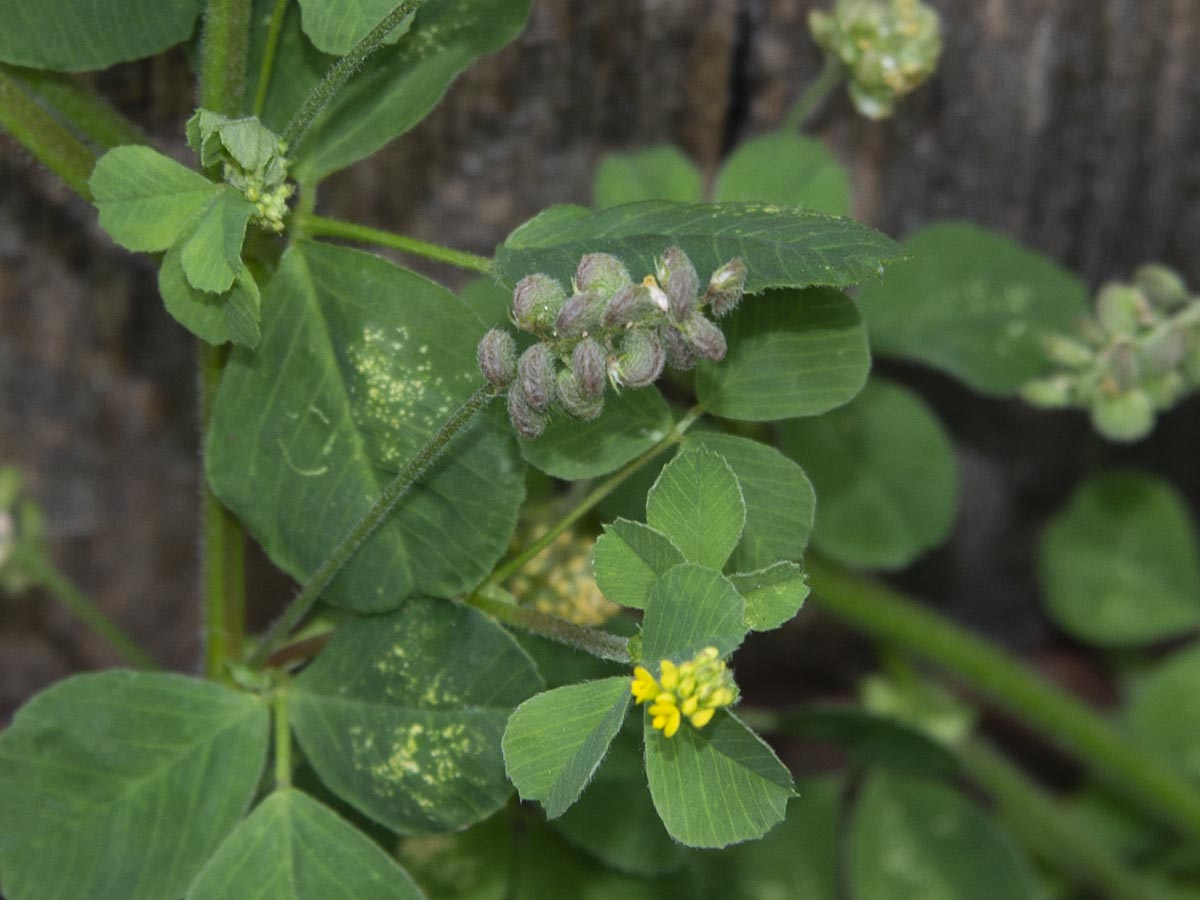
[[692, 690]]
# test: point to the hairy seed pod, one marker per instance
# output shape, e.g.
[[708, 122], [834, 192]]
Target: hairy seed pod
[[601, 273], [705, 338], [536, 302], [631, 305], [528, 421], [573, 401], [497, 356], [579, 315], [535, 371], [680, 354], [681, 284], [589, 364], [1164, 287], [640, 361], [726, 287]]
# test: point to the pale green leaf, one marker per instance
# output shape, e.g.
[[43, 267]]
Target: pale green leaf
[[78, 35], [782, 246], [974, 304], [555, 741], [632, 423], [1164, 711], [780, 503], [791, 353], [145, 199], [697, 503], [335, 26], [1120, 566], [919, 840], [885, 472], [212, 252], [657, 173], [689, 608], [716, 785], [401, 715], [772, 595], [215, 318], [120, 785], [361, 362], [293, 848], [786, 168], [628, 558]]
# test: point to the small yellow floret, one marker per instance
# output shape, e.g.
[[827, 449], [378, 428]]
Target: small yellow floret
[[644, 686], [694, 689]]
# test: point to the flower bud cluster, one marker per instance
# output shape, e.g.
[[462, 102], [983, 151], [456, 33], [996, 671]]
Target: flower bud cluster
[[694, 690], [608, 330], [559, 581], [1138, 354], [889, 48]]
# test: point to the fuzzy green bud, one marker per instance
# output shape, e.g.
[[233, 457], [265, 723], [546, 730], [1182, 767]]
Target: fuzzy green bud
[[1163, 286], [1120, 309], [1123, 366], [704, 337], [589, 365], [529, 422], [536, 375], [1164, 390], [536, 302], [678, 278], [581, 314], [574, 402], [629, 306], [1126, 416], [601, 273], [1164, 349], [1068, 352], [640, 360], [726, 287], [497, 357], [1049, 393]]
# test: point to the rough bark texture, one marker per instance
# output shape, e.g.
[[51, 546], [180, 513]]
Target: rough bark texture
[[1073, 126]]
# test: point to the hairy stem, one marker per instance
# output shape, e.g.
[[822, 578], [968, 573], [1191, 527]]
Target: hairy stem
[[319, 226], [223, 55], [274, 30], [601, 491], [502, 606], [392, 494], [81, 109], [339, 73], [814, 95], [891, 617], [58, 585], [39, 132]]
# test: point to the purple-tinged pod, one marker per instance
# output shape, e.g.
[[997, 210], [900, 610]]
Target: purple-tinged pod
[[580, 315], [705, 338], [529, 422], [680, 354], [573, 401], [632, 305], [497, 356], [536, 375], [682, 284], [640, 360], [537, 300], [601, 273], [726, 287], [589, 364]]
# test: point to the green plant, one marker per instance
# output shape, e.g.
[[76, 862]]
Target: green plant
[[355, 430]]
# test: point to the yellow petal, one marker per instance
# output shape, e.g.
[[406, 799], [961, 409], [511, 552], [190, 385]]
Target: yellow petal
[[690, 705], [670, 675], [672, 726], [702, 718]]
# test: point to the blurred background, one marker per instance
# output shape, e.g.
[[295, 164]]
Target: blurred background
[[1071, 125]]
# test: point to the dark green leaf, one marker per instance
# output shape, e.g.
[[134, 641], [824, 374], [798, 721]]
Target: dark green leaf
[[717, 785], [974, 304], [145, 199], [786, 168], [335, 26], [212, 252], [697, 503], [120, 785], [361, 362], [632, 423], [401, 715], [782, 246], [555, 741], [780, 502], [1120, 566], [791, 353], [772, 595], [628, 558], [885, 473], [293, 848], [690, 608], [917, 840], [77, 35], [1164, 711], [657, 173]]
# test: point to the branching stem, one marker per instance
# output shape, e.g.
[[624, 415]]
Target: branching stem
[[831, 76], [502, 606], [319, 226]]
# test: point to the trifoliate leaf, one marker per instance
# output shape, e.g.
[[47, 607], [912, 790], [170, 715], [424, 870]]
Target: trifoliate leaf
[[772, 595], [691, 607], [628, 558], [212, 253], [697, 503]]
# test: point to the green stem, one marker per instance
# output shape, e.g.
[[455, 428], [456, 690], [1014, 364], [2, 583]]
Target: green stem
[[50, 577], [283, 740], [223, 59], [274, 30], [44, 136], [80, 108], [1049, 832], [504, 572], [319, 226], [392, 494], [339, 73], [831, 76], [890, 616], [502, 606]]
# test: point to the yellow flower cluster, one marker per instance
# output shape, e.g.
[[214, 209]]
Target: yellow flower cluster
[[696, 689]]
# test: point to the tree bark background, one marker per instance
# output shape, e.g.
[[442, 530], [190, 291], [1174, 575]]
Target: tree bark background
[[1072, 125]]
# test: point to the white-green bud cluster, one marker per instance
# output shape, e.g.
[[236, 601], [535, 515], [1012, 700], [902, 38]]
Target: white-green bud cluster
[[251, 158], [889, 48], [1137, 355], [608, 330]]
